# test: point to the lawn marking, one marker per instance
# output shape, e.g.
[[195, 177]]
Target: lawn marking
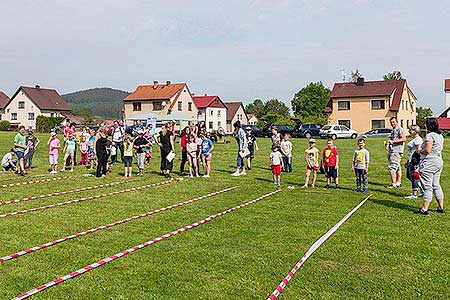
[[34, 181], [83, 233], [311, 250], [138, 247]]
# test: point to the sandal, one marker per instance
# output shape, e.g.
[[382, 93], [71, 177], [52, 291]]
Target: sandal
[[423, 212]]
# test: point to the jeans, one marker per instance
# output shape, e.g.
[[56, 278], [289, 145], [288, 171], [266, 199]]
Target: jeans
[[240, 161], [119, 146], [140, 161], [287, 162], [410, 175], [361, 178], [29, 159]]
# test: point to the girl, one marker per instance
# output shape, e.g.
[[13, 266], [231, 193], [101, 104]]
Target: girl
[[166, 140], [84, 149], [191, 149], [91, 152], [312, 163], [252, 145], [286, 151], [128, 155], [412, 164], [54, 144], [71, 145], [100, 145]]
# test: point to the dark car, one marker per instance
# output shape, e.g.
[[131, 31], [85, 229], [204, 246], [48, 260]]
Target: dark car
[[307, 130], [257, 131], [282, 128]]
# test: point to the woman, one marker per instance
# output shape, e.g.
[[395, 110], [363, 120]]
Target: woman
[[166, 140], [100, 145], [431, 167], [184, 141], [241, 139], [413, 161]]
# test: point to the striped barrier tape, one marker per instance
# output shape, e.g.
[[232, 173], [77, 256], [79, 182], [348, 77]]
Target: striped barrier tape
[[26, 176], [138, 247], [33, 182], [20, 212], [149, 213], [65, 192], [311, 250]]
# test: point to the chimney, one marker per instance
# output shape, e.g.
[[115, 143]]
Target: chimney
[[168, 82], [360, 81], [206, 94], [37, 86], [155, 84]]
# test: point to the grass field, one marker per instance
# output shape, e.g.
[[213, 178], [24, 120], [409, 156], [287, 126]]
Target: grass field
[[384, 251]]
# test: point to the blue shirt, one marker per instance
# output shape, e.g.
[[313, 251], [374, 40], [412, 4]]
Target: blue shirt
[[206, 145]]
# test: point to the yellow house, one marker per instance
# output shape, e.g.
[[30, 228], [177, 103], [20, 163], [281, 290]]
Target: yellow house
[[363, 106]]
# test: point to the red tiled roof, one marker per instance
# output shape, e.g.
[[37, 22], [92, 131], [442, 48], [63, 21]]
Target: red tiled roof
[[249, 116], [4, 100], [208, 101], [447, 85], [158, 92], [371, 89], [45, 99], [232, 108], [444, 123]]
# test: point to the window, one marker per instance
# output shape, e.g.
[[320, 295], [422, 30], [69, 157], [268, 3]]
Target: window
[[407, 123], [218, 113], [190, 106], [378, 124], [401, 123], [219, 124], [407, 104], [52, 114], [157, 105], [21, 104], [211, 113], [210, 125], [13, 116], [347, 123], [378, 104], [180, 105], [30, 116], [137, 106], [343, 105]]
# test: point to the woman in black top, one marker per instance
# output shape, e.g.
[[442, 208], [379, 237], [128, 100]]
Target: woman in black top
[[100, 145], [166, 139]]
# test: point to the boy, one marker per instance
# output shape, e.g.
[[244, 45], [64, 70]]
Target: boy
[[286, 151], [54, 145], [20, 145], [312, 162], [330, 162], [252, 145], [140, 143], [360, 166], [32, 143], [8, 163], [276, 163], [207, 148]]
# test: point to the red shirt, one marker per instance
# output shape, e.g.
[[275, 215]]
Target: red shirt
[[329, 156], [184, 141]]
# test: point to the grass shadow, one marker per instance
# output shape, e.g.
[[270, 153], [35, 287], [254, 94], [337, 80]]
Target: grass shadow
[[393, 204]]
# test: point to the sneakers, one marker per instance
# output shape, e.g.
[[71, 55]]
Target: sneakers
[[236, 174], [412, 196], [243, 173], [337, 186], [423, 212], [206, 176], [440, 210], [357, 190], [327, 186], [365, 191], [53, 172], [304, 186]]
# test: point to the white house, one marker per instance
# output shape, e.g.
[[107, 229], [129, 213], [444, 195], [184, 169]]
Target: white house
[[235, 112], [447, 93], [27, 103], [252, 119], [212, 110], [4, 99]]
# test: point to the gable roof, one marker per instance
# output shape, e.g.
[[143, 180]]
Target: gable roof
[[232, 108], [249, 116], [44, 99], [156, 92], [4, 100], [371, 89], [207, 101], [447, 85]]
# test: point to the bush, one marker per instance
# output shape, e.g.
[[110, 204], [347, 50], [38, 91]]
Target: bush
[[4, 125], [45, 124]]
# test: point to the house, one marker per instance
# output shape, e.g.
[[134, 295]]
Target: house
[[369, 105], [252, 119], [444, 118], [212, 110], [29, 102], [4, 99], [235, 112], [168, 101]]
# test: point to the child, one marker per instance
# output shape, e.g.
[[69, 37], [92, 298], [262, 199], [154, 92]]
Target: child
[[54, 144], [84, 149], [330, 162], [69, 151], [91, 153], [286, 152], [252, 145], [32, 143], [128, 155], [191, 149], [140, 143], [113, 154], [8, 163], [360, 166], [276, 163], [207, 148], [312, 163]]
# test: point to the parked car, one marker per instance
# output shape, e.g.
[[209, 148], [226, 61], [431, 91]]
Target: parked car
[[257, 131], [307, 130], [282, 128], [337, 131], [377, 133]]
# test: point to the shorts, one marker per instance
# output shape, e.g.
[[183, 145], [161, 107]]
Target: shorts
[[70, 152], [20, 154], [206, 157], [276, 170], [252, 152], [53, 159], [331, 172], [313, 168], [127, 161], [394, 161]]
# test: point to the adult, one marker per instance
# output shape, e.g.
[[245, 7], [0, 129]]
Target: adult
[[20, 145], [430, 168], [166, 141], [201, 128], [117, 138], [412, 164], [101, 152], [241, 139], [185, 133], [276, 137], [395, 146]]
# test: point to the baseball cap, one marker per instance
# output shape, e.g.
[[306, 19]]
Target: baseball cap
[[52, 133]]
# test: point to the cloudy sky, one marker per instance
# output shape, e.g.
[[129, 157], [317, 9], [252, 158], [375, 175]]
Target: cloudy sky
[[237, 49]]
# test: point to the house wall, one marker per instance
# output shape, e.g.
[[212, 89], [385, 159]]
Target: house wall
[[2, 111], [218, 117], [240, 115], [22, 113], [253, 121], [447, 100], [406, 114]]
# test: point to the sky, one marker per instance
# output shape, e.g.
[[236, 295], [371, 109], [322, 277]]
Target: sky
[[237, 49]]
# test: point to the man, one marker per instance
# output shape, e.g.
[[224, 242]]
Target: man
[[395, 147], [117, 139], [20, 145], [241, 139]]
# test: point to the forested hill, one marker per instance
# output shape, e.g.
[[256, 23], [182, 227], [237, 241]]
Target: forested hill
[[104, 102]]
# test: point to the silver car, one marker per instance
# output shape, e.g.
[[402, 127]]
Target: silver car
[[337, 132], [378, 133]]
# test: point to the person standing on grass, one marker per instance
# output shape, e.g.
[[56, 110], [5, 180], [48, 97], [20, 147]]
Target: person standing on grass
[[100, 145], [192, 152], [117, 139], [312, 163], [330, 162], [207, 148], [241, 139], [183, 143], [286, 152], [8, 163], [20, 145], [252, 145], [32, 143], [360, 166], [91, 153], [140, 143], [84, 150], [53, 144], [276, 137], [128, 155], [69, 151], [166, 141], [430, 168], [276, 164], [412, 164], [395, 152]]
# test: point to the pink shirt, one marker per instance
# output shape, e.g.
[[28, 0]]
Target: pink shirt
[[53, 144]]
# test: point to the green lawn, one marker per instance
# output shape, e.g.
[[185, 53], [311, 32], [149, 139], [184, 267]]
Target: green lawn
[[384, 251]]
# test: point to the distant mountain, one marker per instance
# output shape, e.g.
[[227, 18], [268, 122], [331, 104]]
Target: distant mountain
[[104, 102]]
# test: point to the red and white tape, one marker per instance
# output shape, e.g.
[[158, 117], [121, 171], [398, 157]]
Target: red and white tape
[[149, 213], [20, 212], [65, 192], [311, 250], [33, 182], [138, 247]]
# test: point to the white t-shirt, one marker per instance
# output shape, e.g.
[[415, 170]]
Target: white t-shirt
[[411, 146], [286, 148], [117, 134], [275, 158], [5, 160]]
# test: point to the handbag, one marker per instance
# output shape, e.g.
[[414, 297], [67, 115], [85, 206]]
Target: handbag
[[170, 156]]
